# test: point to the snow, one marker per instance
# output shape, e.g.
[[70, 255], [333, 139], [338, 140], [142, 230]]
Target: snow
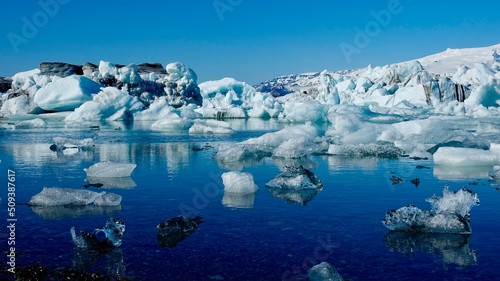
[[239, 183], [55, 196], [110, 170], [66, 94], [467, 157]]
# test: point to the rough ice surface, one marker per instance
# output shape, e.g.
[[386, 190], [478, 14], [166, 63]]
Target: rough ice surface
[[449, 214], [239, 182], [210, 127], [110, 170], [295, 178], [170, 232], [56, 196], [324, 272], [470, 157], [31, 124], [290, 142], [495, 173], [66, 94], [101, 239], [109, 104], [61, 143]]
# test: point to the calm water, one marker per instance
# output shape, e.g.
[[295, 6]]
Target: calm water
[[259, 237]]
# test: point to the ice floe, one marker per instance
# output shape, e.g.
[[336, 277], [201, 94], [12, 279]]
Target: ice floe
[[239, 183], [56, 196]]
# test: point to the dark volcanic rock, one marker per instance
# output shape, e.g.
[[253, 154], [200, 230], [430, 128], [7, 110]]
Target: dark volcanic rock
[[60, 69], [146, 68], [5, 84]]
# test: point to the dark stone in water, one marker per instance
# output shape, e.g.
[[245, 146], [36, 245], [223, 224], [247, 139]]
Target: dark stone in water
[[93, 185], [60, 69], [170, 232], [422, 167], [396, 180], [416, 182], [416, 158]]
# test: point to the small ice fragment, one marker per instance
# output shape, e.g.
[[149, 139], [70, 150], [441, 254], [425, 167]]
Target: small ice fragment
[[110, 236], [110, 170], [449, 214], [170, 232], [295, 178], [324, 272], [495, 173], [56, 196], [239, 182]]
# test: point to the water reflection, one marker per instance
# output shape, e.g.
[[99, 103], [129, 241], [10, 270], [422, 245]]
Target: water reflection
[[460, 173], [301, 197], [237, 200], [60, 212], [110, 263], [125, 182], [453, 247]]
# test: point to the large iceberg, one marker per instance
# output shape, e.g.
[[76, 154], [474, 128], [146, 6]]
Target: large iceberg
[[56, 196], [66, 94], [449, 214]]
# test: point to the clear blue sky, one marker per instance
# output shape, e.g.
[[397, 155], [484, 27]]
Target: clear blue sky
[[250, 40]]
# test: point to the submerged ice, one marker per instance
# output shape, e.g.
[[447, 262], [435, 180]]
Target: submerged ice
[[101, 239], [449, 214]]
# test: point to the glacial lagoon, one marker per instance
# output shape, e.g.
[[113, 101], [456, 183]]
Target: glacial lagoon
[[261, 236]]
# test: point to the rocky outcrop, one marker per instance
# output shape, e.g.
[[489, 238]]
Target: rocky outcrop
[[146, 68], [5, 84], [60, 69]]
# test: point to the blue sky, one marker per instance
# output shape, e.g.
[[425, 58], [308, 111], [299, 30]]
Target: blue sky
[[251, 41]]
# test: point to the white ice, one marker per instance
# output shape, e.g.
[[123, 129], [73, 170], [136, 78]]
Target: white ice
[[31, 124], [66, 94], [239, 182], [55, 196], [110, 170], [495, 173], [470, 157], [210, 127]]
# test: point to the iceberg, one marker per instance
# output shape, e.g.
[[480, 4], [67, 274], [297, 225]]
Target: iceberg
[[324, 272], [110, 170], [295, 178], [31, 124], [170, 232], [101, 239], [210, 127], [56, 196], [66, 94], [239, 183], [495, 173], [61, 144], [467, 157], [449, 214]]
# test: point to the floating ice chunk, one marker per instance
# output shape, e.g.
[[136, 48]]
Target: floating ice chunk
[[55, 196], [31, 124], [61, 143], [366, 150], [101, 239], [210, 127], [495, 173], [170, 232], [449, 214], [456, 156], [110, 170], [295, 178], [66, 94], [324, 272], [173, 123], [239, 182]]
